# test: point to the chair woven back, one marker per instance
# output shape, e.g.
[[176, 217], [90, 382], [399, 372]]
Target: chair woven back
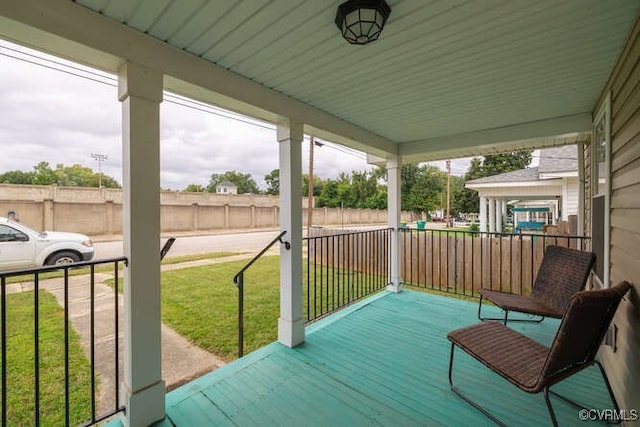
[[581, 331], [564, 271]]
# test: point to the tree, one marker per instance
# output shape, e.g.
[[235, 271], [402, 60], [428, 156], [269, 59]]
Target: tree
[[494, 164], [195, 188], [273, 182], [467, 201], [243, 181], [421, 187], [81, 176], [44, 175], [16, 177], [329, 195], [70, 176], [359, 189], [318, 183]]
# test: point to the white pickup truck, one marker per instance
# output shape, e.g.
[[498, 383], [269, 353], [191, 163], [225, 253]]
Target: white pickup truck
[[22, 247]]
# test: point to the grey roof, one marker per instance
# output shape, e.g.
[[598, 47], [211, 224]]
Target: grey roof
[[227, 184], [552, 160], [529, 174], [559, 159]]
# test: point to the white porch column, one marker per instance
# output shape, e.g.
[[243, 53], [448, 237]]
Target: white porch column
[[503, 209], [291, 323], [499, 215], [581, 195], [492, 215], [394, 209], [483, 214], [140, 91]]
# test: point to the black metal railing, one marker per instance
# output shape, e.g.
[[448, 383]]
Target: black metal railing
[[343, 267], [56, 280], [461, 262], [238, 279]]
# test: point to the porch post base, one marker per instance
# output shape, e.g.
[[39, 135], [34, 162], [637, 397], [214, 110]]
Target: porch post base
[[394, 287], [145, 406], [290, 333]]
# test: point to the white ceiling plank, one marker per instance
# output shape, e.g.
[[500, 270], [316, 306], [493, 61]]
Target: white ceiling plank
[[147, 13], [241, 11], [97, 5], [247, 57], [120, 11], [175, 17], [200, 21]]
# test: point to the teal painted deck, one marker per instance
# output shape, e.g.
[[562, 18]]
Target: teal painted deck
[[383, 361]]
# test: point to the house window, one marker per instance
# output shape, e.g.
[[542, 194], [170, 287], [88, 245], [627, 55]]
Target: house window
[[600, 190]]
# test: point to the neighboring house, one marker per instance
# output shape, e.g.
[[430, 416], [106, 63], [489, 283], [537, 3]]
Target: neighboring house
[[226, 187], [553, 184]]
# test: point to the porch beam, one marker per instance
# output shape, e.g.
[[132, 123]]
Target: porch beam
[[291, 322], [394, 168], [140, 91], [540, 133]]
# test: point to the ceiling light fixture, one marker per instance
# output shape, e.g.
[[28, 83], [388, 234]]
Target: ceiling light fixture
[[361, 21]]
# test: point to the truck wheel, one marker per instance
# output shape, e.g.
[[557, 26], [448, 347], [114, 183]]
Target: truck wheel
[[63, 258]]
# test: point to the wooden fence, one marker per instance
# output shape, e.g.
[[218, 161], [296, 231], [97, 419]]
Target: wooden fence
[[462, 262], [449, 261]]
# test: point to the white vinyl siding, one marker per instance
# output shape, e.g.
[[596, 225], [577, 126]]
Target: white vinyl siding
[[623, 365]]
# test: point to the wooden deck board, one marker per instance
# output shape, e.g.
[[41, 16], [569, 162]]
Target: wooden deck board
[[383, 361]]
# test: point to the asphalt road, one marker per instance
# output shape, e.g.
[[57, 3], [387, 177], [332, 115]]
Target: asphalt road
[[252, 241]]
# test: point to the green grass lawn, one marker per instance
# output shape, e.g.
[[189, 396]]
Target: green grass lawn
[[20, 364], [201, 303]]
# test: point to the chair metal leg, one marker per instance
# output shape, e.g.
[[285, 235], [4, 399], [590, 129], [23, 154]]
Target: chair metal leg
[[609, 389], [489, 318], [464, 397], [551, 413], [504, 319]]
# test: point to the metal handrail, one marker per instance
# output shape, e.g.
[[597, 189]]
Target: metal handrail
[[238, 280], [287, 245]]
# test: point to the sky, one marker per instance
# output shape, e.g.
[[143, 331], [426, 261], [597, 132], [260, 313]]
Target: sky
[[59, 117]]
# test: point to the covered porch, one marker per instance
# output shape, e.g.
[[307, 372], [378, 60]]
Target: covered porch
[[445, 80]]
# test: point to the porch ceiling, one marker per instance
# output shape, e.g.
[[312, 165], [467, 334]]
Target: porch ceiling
[[445, 79]]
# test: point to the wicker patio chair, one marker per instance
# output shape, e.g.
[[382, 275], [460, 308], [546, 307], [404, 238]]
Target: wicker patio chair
[[530, 365], [563, 272]]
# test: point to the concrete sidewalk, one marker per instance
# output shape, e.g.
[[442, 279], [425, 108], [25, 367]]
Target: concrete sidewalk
[[181, 360]]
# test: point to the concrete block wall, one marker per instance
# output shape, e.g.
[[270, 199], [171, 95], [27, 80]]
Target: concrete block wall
[[94, 211]]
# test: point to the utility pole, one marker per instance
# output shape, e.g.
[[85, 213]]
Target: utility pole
[[448, 190], [99, 158], [310, 196]]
